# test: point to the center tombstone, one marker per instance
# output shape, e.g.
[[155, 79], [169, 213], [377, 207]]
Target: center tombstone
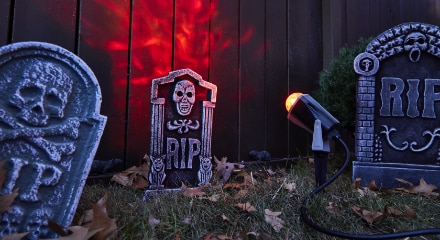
[[182, 105], [398, 107]]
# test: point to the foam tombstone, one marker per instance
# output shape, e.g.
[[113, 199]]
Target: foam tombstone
[[50, 128], [398, 106], [182, 105]]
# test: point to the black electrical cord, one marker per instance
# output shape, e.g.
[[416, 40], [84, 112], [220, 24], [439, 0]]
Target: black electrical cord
[[305, 217]]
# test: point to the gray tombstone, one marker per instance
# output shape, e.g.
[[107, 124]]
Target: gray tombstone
[[398, 107], [182, 105], [50, 128]]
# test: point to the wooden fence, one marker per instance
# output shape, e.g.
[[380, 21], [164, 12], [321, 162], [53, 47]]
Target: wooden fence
[[255, 51]]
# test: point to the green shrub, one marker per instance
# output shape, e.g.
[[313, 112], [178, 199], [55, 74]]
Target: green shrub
[[337, 85]]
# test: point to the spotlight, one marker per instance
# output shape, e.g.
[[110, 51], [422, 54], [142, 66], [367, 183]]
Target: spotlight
[[307, 113], [304, 110]]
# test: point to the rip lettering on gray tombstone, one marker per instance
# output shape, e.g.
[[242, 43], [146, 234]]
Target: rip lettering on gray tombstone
[[400, 112], [50, 128]]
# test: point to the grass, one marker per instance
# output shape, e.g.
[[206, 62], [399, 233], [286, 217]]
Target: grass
[[183, 217]]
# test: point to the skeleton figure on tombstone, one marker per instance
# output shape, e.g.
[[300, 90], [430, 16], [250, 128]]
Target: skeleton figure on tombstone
[[157, 172], [205, 171], [42, 94]]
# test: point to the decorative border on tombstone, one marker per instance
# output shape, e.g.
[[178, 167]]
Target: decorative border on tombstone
[[182, 105], [50, 128], [397, 133]]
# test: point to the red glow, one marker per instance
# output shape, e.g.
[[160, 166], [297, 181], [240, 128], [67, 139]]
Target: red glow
[[165, 35]]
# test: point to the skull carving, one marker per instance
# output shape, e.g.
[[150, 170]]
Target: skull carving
[[42, 93], [184, 96], [367, 63], [10, 221], [37, 223], [415, 43]]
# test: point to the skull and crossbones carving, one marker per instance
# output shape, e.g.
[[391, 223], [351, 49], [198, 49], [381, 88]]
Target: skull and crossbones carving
[[415, 43], [184, 97], [42, 94]]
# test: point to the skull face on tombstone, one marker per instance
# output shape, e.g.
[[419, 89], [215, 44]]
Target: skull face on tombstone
[[184, 96], [367, 63], [10, 221], [42, 93], [415, 43], [37, 223]]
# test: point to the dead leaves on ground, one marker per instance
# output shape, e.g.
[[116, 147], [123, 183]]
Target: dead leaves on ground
[[135, 177], [372, 216]]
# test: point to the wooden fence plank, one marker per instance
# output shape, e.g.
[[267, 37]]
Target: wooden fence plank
[[47, 21], [191, 36], [276, 79], [151, 58], [103, 46], [4, 21], [304, 59], [224, 73], [252, 132]]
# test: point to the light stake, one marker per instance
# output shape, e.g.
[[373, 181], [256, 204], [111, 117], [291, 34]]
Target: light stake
[[307, 113]]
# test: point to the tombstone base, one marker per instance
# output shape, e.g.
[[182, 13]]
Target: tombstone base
[[149, 194], [385, 174]]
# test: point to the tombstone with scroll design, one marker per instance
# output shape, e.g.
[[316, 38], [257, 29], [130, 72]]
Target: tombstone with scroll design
[[398, 107], [181, 128], [50, 128]]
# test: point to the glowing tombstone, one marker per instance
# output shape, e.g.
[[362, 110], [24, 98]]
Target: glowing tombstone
[[50, 128], [397, 132], [181, 128]]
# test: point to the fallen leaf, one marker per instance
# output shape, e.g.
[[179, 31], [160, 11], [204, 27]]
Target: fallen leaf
[[7, 200], [409, 212], [372, 185], [246, 207], [290, 186], [368, 216], [122, 179], [152, 220], [225, 218], [208, 236], [102, 220], [75, 233], [223, 169], [57, 228], [86, 217], [15, 236], [273, 219], [240, 194], [136, 177], [423, 188], [248, 179], [270, 172], [357, 183], [390, 211], [333, 208], [191, 192]]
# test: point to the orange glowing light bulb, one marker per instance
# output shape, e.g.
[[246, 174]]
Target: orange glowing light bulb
[[291, 100]]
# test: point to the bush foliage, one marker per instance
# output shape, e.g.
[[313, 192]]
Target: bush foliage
[[337, 85]]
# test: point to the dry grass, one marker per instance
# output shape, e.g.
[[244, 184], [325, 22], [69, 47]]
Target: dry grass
[[184, 217]]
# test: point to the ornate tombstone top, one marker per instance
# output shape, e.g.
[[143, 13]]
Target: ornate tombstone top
[[397, 134], [50, 128], [181, 127]]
